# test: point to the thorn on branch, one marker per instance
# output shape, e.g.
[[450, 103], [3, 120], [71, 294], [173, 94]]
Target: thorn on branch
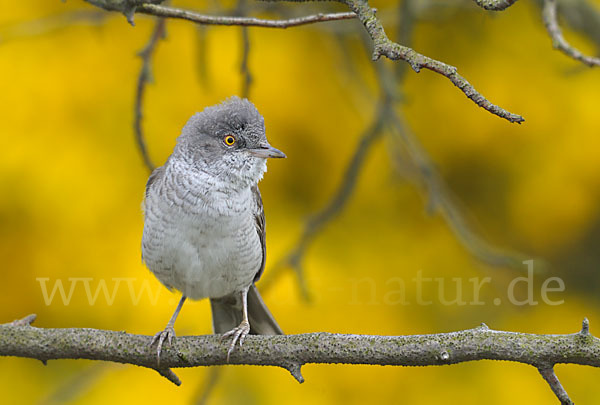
[[169, 375], [27, 321], [295, 371], [585, 327]]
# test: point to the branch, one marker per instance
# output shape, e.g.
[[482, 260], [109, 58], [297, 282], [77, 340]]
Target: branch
[[335, 205], [291, 352], [50, 24], [385, 47], [552, 380], [558, 41], [495, 5], [157, 10], [244, 68], [143, 78]]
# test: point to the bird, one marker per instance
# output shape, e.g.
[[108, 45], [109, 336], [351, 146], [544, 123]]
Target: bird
[[204, 221]]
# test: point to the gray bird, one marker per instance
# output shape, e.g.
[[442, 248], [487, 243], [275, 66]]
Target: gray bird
[[204, 223]]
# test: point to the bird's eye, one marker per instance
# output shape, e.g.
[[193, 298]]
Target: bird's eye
[[229, 140]]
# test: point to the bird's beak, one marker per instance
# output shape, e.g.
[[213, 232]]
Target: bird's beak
[[266, 151]]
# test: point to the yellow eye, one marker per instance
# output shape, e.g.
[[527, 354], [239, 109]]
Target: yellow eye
[[229, 140]]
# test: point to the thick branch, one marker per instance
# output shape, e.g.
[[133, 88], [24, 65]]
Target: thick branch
[[495, 5], [385, 47], [293, 351], [558, 41]]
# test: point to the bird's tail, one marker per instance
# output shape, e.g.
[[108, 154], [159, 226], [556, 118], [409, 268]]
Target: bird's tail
[[227, 314]]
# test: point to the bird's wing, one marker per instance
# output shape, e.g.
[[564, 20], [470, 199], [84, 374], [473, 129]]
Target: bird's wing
[[259, 217], [156, 174]]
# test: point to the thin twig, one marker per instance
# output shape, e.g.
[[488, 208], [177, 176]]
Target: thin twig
[[244, 68], [75, 386], [383, 46], [206, 389], [581, 16], [495, 5], [406, 150], [182, 14], [333, 208], [558, 41], [144, 77], [552, 380], [50, 24]]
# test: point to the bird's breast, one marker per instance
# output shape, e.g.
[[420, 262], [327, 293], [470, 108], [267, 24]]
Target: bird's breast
[[200, 240]]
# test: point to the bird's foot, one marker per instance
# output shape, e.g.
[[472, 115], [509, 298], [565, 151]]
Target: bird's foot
[[168, 334], [239, 333]]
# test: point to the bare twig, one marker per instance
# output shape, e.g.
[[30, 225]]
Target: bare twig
[[552, 380], [495, 5], [144, 77], [335, 205], [425, 175], [581, 16], [383, 46], [558, 41], [406, 151], [292, 351], [74, 387], [244, 69], [50, 24], [178, 13], [206, 389]]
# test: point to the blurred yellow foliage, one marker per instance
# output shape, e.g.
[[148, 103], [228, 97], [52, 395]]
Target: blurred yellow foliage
[[72, 181]]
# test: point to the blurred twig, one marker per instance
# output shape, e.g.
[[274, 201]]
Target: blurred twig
[[383, 46], [558, 41], [414, 162], [291, 352], [581, 16], [244, 69], [71, 389], [50, 24], [406, 149], [335, 205], [144, 77], [495, 5], [206, 389]]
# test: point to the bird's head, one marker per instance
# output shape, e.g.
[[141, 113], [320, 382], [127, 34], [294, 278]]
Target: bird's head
[[228, 141]]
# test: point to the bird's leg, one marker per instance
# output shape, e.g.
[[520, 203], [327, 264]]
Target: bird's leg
[[240, 332], [168, 333]]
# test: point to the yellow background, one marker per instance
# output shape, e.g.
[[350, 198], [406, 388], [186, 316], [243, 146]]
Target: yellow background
[[72, 181]]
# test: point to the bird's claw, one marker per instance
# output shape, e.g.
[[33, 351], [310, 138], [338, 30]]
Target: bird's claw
[[239, 334], [168, 334]]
